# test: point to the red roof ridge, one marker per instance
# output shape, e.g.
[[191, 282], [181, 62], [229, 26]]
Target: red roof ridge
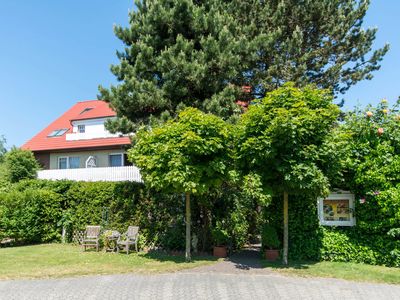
[[94, 100]]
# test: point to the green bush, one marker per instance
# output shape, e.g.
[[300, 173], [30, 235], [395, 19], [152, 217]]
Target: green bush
[[20, 164], [26, 209], [30, 216], [368, 242], [269, 237], [219, 235]]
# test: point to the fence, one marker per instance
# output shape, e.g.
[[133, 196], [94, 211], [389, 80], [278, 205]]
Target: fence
[[128, 173]]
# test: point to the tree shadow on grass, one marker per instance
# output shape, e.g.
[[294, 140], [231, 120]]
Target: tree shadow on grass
[[163, 256]]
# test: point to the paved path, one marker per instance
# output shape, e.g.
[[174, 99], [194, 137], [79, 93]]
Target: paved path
[[240, 278]]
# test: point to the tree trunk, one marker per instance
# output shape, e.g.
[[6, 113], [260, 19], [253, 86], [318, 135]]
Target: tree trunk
[[188, 217], [285, 227], [63, 235]]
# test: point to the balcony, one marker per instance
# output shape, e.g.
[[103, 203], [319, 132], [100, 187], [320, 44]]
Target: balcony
[[128, 173]]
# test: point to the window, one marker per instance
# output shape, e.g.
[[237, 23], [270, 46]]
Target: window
[[86, 110], [57, 132], [81, 128], [337, 209], [69, 162], [115, 160], [74, 162], [63, 162]]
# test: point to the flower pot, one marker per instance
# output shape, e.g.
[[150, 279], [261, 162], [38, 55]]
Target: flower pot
[[220, 251], [271, 255]]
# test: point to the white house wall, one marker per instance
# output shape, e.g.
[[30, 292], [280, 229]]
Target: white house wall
[[101, 157], [94, 128]]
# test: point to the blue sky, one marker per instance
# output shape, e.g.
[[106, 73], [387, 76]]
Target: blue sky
[[55, 53]]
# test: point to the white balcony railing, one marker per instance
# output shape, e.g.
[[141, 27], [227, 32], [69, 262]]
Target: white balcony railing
[[128, 173]]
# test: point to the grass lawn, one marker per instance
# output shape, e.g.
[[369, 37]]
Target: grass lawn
[[342, 270], [58, 260]]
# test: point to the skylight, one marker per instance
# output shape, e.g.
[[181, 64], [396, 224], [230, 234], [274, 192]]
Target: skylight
[[57, 132], [86, 110]]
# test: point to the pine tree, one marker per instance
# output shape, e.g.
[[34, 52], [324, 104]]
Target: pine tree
[[200, 53]]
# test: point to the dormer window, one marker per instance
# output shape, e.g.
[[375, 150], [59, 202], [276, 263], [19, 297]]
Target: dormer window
[[57, 132], [81, 128]]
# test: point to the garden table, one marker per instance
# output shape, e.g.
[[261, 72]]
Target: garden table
[[110, 240]]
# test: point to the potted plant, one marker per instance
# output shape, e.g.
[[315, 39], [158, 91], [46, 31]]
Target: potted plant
[[270, 242], [220, 238]]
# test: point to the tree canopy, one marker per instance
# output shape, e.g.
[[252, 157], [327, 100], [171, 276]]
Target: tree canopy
[[3, 149], [283, 139], [186, 155], [200, 53], [373, 147], [20, 164]]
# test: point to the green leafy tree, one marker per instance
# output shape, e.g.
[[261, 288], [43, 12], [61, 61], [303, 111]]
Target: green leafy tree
[[199, 53], [187, 155], [20, 164], [374, 144], [3, 148], [373, 168], [283, 139]]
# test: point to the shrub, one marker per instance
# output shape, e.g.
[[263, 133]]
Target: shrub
[[269, 237], [20, 164], [30, 216], [219, 235]]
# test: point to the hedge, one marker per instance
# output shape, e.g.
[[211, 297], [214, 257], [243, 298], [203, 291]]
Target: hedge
[[35, 211], [367, 242], [30, 216]]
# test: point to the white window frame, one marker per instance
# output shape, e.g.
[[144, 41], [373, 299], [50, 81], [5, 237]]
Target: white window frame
[[122, 158], [58, 162], [80, 126], [337, 196], [67, 158]]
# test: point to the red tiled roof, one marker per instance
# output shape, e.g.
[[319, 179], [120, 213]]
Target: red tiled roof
[[79, 111]]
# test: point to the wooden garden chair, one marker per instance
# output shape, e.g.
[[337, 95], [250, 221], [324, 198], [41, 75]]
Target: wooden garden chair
[[91, 237], [128, 238]]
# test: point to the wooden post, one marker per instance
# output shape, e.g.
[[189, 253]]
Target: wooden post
[[285, 227], [188, 217]]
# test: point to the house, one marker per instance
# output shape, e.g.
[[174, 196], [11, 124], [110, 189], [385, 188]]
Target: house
[[77, 146]]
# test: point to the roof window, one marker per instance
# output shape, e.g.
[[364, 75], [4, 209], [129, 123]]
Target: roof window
[[86, 110], [57, 132]]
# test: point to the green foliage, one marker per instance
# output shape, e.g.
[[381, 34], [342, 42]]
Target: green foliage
[[269, 237], [174, 236], [185, 155], [83, 203], [374, 161], [4, 182], [369, 167], [304, 231], [30, 216], [181, 53], [309, 241], [20, 164], [219, 234], [287, 132], [3, 149], [359, 246]]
